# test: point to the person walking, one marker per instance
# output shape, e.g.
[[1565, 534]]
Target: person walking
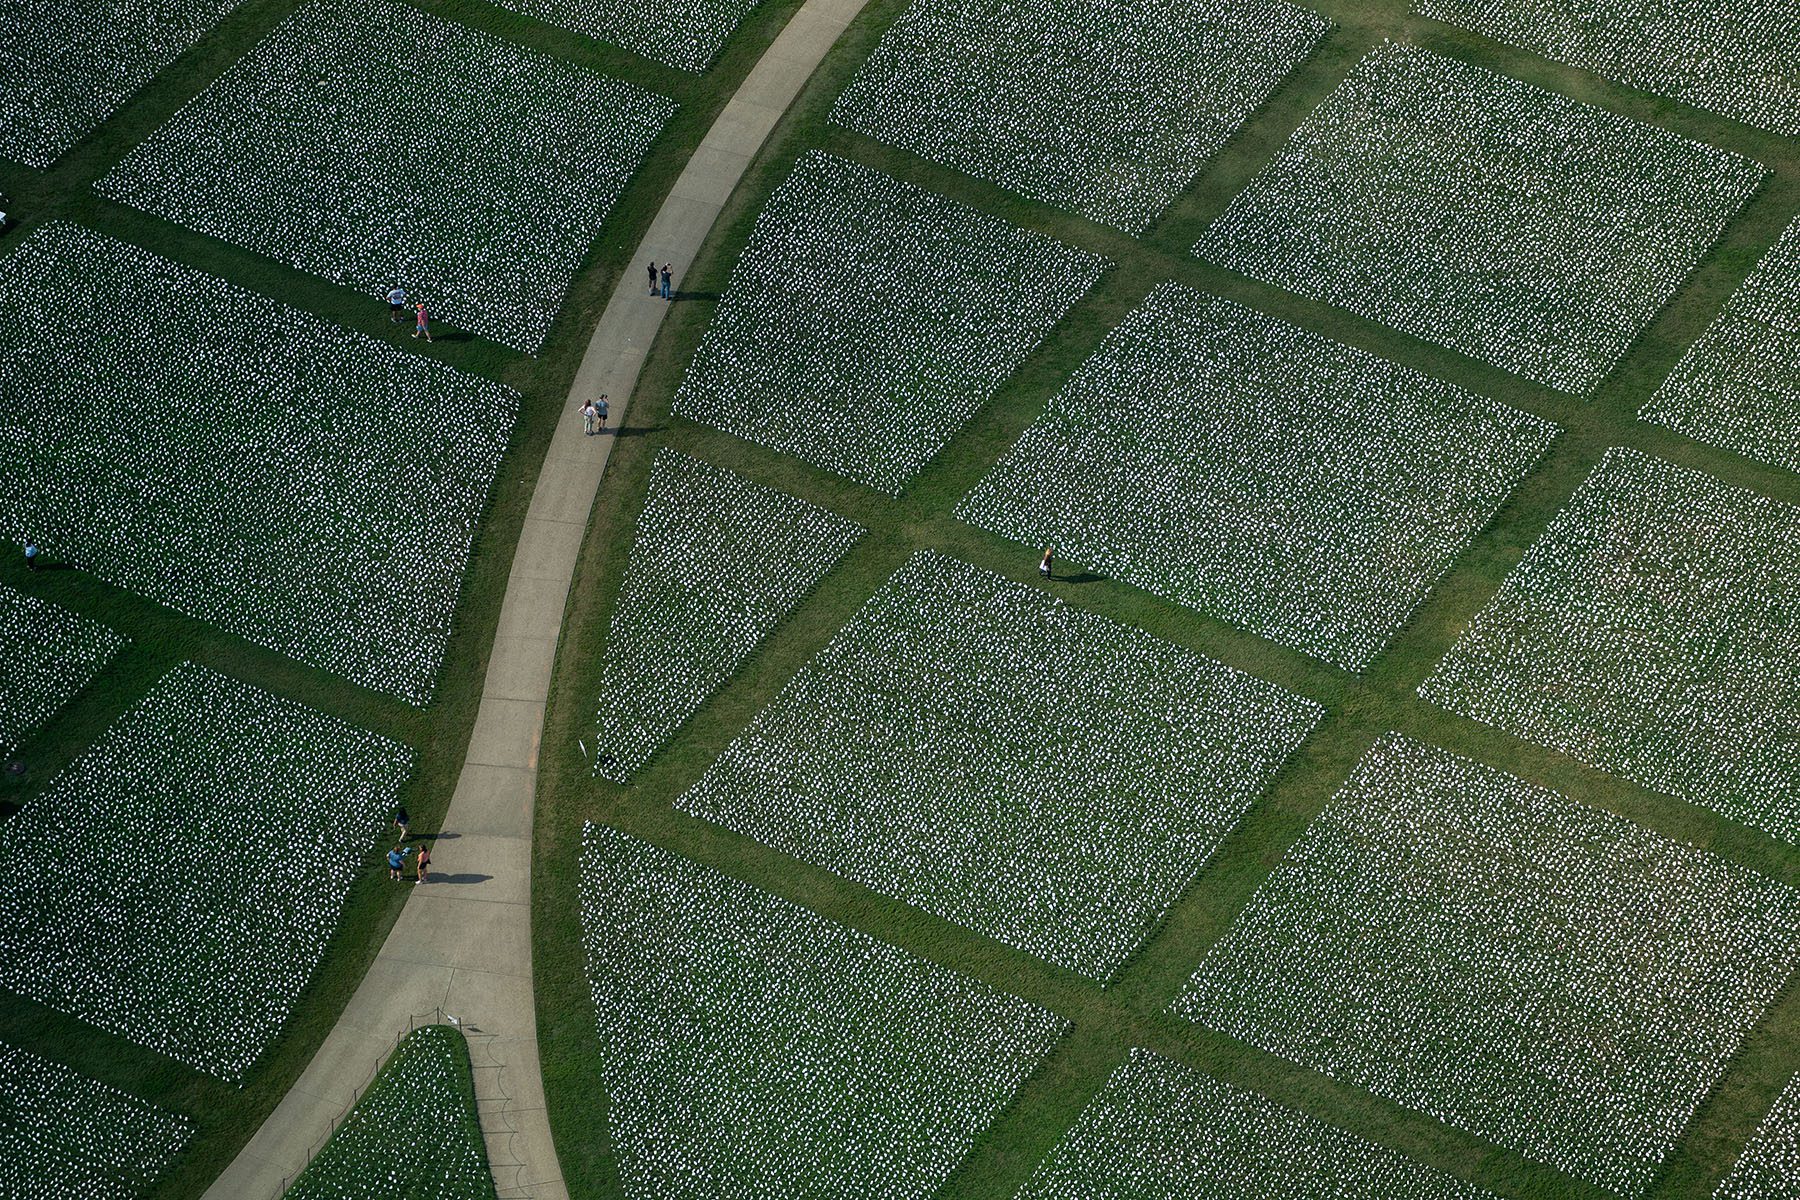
[[401, 820], [424, 325], [31, 555], [396, 861], [600, 411], [665, 281], [396, 304], [587, 417], [653, 277], [423, 864], [1047, 562]]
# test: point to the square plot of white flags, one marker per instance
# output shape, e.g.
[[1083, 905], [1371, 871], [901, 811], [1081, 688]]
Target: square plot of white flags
[[1652, 631], [1109, 110], [1769, 1167], [1160, 1129], [1259, 473], [63, 1134], [1034, 772], [1505, 222], [50, 654], [178, 883], [716, 563], [299, 485], [868, 319], [376, 145], [1549, 977], [681, 33], [1738, 386], [756, 1051], [1740, 59], [67, 65]]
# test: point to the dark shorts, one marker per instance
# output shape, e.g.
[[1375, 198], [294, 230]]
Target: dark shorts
[[396, 308]]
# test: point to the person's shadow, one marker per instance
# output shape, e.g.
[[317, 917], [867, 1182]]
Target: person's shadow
[[464, 877], [1078, 577]]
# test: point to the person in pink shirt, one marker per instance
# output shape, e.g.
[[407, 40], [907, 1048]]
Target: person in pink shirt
[[424, 325]]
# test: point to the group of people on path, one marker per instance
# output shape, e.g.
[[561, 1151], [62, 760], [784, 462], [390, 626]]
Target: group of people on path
[[396, 858], [594, 414], [660, 280], [397, 305]]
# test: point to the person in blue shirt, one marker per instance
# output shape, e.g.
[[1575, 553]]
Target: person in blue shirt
[[396, 304], [31, 554], [396, 862]]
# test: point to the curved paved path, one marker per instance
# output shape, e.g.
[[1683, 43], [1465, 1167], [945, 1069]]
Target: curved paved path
[[463, 946]]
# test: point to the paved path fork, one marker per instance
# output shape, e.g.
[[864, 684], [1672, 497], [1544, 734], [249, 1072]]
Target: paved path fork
[[462, 945]]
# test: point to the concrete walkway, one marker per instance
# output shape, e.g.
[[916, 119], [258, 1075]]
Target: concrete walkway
[[462, 946]]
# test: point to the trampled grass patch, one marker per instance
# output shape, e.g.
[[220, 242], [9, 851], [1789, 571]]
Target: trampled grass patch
[[868, 319], [753, 1049], [1498, 219], [1737, 58], [1032, 771], [1653, 631], [299, 485], [1738, 386], [64, 1135], [374, 144], [68, 64], [137, 894], [717, 562], [1109, 110], [1769, 1167], [682, 33], [50, 654], [1260, 473], [1161, 1129], [414, 1132], [1547, 976]]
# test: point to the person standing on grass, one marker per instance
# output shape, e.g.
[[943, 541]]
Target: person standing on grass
[[424, 325], [665, 281], [600, 411], [396, 304], [396, 861], [401, 820], [653, 276], [423, 863], [587, 417], [31, 555], [1047, 562]]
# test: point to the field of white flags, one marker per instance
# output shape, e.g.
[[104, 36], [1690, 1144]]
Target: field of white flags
[[1259, 473], [1032, 771], [1738, 386], [1738, 59], [1547, 976], [294, 483], [1108, 110], [717, 562], [1160, 1129], [1652, 631], [414, 1132], [178, 882], [65, 1135], [374, 145], [1484, 214], [805, 1058], [868, 319], [1769, 1168], [69, 63], [681, 33], [50, 654]]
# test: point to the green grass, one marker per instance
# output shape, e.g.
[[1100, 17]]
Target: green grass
[[413, 1134], [226, 1116], [1359, 708]]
